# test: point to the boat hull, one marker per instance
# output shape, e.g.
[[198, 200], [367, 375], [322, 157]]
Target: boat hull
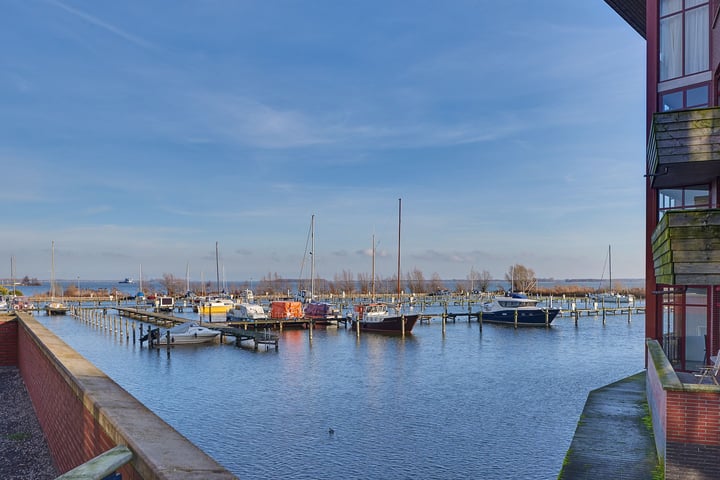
[[186, 339], [392, 324], [533, 317]]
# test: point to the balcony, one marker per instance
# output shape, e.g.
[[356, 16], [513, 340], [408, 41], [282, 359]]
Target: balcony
[[686, 247], [684, 147]]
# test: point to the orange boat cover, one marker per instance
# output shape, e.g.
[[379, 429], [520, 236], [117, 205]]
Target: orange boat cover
[[280, 310]]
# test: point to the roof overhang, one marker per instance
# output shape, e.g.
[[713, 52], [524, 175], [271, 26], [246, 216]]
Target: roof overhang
[[632, 11]]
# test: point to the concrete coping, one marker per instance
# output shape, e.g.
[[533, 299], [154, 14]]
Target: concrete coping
[[159, 451], [669, 378]]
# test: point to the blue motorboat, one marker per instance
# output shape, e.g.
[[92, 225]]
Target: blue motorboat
[[516, 308]]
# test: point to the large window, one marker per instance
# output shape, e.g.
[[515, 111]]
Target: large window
[[684, 38], [684, 326], [683, 198]]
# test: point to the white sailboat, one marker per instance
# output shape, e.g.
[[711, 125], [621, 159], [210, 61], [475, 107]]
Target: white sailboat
[[611, 296], [54, 307]]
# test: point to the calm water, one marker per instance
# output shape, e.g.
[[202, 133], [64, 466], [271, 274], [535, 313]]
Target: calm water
[[495, 403]]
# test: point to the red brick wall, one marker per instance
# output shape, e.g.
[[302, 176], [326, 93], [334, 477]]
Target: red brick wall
[[8, 342], [72, 431], [686, 425]]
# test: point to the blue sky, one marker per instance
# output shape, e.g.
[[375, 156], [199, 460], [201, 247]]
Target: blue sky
[[142, 133]]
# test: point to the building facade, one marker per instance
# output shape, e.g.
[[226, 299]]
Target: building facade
[[682, 267]]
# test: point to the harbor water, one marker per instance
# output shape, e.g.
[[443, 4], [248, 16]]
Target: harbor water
[[491, 402]]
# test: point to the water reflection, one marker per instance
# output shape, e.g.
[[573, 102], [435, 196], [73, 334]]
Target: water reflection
[[491, 403]]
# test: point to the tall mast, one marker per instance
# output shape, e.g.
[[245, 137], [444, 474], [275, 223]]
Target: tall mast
[[217, 267], [610, 267], [312, 258], [398, 259], [52, 272], [187, 278], [373, 269]]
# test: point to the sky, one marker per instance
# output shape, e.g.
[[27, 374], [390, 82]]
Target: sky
[[138, 136]]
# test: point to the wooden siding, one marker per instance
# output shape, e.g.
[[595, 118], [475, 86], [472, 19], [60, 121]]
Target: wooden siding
[[686, 248], [687, 136]]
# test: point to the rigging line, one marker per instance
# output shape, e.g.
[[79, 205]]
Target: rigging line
[[305, 255]]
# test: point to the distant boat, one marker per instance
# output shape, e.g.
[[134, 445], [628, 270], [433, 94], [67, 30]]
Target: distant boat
[[378, 317], [54, 307], [611, 296], [127, 280], [246, 312], [323, 313], [184, 334], [213, 305], [516, 306]]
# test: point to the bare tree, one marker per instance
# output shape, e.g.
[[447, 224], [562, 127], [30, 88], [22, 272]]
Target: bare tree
[[484, 281], [436, 283], [521, 278], [173, 286], [345, 283], [416, 281], [364, 281]]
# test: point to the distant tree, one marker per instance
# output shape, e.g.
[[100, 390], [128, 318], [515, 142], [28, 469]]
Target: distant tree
[[416, 281], [436, 283], [173, 286], [344, 282], [521, 278], [364, 282], [484, 281]]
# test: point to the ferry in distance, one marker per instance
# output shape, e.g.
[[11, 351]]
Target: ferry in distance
[[127, 280]]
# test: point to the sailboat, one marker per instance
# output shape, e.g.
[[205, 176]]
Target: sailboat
[[381, 317], [219, 303], [611, 296], [54, 307], [324, 313]]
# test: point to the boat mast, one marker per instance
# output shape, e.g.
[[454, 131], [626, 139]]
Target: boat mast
[[610, 268], [312, 258], [187, 278], [52, 272], [398, 259], [373, 268], [217, 267], [141, 288]]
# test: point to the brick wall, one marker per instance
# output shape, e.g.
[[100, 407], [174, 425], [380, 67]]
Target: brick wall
[[686, 421], [8, 341], [83, 413], [73, 432]]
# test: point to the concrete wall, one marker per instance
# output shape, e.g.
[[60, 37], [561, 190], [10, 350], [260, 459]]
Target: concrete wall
[[84, 413], [686, 420]]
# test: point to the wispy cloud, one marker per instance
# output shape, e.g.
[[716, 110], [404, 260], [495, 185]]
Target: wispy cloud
[[104, 25]]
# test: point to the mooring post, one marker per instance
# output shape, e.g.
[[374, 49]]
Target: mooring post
[[167, 339], [516, 318], [469, 311], [479, 315], [402, 324], [604, 313]]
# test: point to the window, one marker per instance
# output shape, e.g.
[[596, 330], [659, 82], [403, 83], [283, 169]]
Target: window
[[684, 38], [695, 97], [683, 198]]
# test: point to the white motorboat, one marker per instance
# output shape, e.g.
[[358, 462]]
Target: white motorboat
[[246, 312], [185, 333]]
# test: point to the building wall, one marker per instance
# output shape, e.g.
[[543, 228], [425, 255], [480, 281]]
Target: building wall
[[8, 341], [686, 420], [84, 413]]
